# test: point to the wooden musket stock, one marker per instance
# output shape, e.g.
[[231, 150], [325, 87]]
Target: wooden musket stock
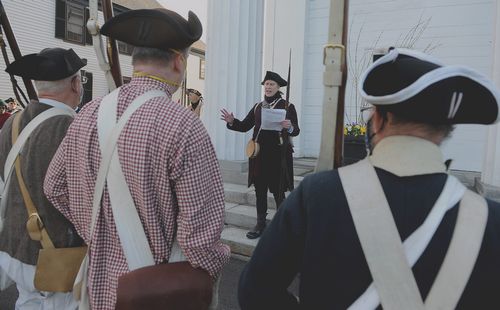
[[112, 48]]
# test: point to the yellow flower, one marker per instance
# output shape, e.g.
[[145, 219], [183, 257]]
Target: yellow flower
[[345, 131], [363, 130]]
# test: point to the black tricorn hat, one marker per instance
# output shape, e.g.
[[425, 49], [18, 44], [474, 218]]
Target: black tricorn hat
[[194, 91], [51, 64], [419, 87], [273, 76], [157, 28]]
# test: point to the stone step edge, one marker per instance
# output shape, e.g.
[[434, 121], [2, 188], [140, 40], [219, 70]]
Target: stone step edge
[[241, 194], [238, 242], [244, 216]]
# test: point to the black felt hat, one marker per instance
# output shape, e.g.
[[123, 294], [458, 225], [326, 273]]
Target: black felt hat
[[273, 76], [419, 87], [194, 91], [51, 64], [157, 28]]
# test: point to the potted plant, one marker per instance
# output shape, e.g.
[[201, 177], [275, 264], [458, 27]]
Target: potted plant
[[354, 142]]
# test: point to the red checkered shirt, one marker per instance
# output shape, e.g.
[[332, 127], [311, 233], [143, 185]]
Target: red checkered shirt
[[173, 175]]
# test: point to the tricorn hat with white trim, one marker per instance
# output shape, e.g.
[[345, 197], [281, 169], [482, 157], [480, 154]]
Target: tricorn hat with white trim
[[419, 87]]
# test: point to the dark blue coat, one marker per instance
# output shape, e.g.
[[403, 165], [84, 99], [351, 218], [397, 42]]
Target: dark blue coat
[[313, 236]]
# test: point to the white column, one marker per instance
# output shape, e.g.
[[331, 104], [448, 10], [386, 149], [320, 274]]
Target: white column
[[278, 26], [491, 167], [233, 69]]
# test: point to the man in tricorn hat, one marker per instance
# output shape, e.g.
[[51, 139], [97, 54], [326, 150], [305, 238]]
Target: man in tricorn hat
[[195, 101], [343, 230], [43, 124], [165, 153], [272, 168], [4, 114], [12, 105]]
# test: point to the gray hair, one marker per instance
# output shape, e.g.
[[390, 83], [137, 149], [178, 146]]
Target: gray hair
[[55, 86], [145, 54], [430, 129]]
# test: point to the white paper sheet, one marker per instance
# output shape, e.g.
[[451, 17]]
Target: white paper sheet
[[271, 119]]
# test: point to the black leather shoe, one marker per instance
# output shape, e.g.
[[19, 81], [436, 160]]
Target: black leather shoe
[[258, 229], [254, 234]]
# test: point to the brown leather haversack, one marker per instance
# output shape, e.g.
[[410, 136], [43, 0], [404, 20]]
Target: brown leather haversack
[[166, 286]]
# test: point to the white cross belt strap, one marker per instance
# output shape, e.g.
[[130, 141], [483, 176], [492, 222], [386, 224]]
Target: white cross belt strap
[[108, 132], [383, 250], [128, 224], [417, 242], [17, 148]]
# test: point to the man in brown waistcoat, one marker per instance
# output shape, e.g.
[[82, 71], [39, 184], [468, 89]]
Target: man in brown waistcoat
[[56, 72]]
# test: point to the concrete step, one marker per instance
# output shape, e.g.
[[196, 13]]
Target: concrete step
[[244, 195], [234, 177], [238, 242], [304, 162], [239, 220], [242, 177], [300, 171], [236, 172], [243, 216]]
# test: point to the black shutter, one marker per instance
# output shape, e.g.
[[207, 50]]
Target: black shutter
[[87, 87], [88, 36], [60, 19]]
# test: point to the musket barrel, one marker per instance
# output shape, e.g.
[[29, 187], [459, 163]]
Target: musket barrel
[[113, 57], [16, 52], [339, 129]]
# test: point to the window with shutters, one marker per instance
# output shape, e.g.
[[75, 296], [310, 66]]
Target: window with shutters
[[71, 21], [75, 21]]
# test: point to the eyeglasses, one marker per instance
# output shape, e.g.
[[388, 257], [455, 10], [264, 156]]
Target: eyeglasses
[[367, 113]]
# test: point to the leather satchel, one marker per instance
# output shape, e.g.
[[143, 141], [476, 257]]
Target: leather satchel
[[166, 286], [252, 149], [56, 269]]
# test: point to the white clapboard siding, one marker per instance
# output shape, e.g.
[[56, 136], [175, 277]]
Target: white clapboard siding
[[33, 23]]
